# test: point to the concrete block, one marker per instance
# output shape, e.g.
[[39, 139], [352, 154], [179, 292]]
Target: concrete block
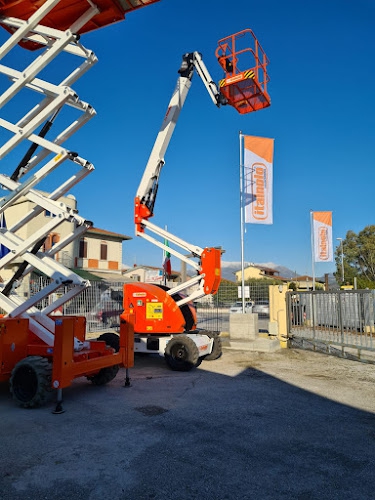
[[243, 327], [257, 345]]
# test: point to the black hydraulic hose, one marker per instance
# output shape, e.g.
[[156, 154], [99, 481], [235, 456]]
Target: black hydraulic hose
[[21, 268], [19, 172], [21, 169]]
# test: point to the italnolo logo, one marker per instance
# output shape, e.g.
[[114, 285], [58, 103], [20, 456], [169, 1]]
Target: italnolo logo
[[259, 181], [323, 243]]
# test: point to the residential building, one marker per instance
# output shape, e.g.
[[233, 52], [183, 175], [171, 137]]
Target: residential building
[[98, 252], [258, 272], [306, 282]]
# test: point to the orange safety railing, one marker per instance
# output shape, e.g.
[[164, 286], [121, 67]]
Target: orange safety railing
[[245, 65]]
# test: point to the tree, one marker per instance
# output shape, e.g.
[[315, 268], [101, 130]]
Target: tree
[[358, 258]]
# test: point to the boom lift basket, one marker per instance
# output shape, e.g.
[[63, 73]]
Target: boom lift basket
[[245, 65]]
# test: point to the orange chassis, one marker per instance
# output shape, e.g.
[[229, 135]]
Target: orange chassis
[[17, 343]]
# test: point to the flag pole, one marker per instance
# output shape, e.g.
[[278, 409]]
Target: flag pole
[[164, 271], [242, 207], [312, 248]]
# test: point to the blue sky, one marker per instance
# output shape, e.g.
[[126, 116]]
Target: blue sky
[[322, 118]]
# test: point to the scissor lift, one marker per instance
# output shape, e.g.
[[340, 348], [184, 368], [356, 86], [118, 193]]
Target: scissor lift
[[40, 351], [22, 134]]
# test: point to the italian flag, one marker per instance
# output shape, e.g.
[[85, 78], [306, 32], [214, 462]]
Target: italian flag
[[167, 260]]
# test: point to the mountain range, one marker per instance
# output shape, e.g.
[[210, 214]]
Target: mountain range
[[228, 270]]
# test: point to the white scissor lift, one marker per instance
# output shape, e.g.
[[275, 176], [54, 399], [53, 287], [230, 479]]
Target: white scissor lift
[[50, 350]]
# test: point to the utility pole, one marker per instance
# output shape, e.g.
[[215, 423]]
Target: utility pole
[[342, 259]]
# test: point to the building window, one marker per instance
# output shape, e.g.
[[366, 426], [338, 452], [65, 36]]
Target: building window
[[50, 241], [47, 213], [83, 248], [103, 251]]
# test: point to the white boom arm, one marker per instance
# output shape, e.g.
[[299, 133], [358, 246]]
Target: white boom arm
[[191, 61], [148, 187]]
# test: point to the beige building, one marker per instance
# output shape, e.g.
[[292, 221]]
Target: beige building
[[258, 272], [307, 283], [99, 251]]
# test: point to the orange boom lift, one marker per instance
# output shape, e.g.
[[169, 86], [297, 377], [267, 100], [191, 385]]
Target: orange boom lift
[[165, 318]]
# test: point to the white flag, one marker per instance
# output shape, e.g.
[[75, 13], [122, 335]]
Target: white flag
[[258, 179], [322, 234]]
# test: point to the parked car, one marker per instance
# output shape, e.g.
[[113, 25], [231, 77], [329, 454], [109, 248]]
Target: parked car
[[237, 307], [262, 307]]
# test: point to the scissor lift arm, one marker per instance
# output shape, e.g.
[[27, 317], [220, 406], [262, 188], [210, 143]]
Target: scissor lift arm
[[40, 350]]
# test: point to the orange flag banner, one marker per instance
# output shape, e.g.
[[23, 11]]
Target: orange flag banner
[[322, 235], [258, 179]]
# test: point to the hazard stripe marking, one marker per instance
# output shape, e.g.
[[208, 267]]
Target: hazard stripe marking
[[249, 74]]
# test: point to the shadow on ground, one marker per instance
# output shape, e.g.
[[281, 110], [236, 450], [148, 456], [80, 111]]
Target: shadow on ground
[[234, 432]]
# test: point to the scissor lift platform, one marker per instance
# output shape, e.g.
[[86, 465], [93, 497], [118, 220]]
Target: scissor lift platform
[[66, 12]]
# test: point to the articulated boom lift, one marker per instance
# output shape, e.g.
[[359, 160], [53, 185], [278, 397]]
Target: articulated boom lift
[[39, 350], [165, 319]]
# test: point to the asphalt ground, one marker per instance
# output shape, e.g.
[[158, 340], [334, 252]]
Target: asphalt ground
[[288, 425]]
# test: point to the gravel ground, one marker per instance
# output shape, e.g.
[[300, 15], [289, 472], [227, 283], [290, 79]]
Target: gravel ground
[[288, 425]]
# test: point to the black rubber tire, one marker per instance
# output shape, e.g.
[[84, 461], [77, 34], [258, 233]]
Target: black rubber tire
[[199, 362], [104, 376], [108, 373], [217, 351], [30, 381], [181, 353], [111, 339]]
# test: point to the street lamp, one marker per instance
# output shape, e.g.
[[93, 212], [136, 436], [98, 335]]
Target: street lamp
[[342, 259]]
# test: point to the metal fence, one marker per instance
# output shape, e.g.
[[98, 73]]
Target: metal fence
[[214, 314], [101, 303], [340, 323]]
